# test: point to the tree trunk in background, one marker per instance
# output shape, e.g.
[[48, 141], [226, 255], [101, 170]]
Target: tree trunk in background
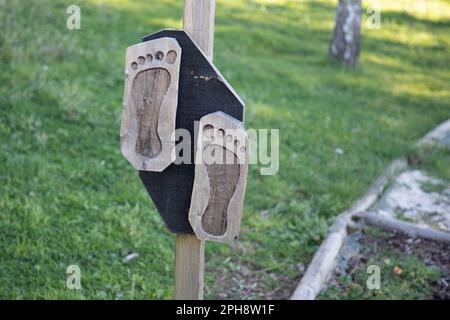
[[345, 43]]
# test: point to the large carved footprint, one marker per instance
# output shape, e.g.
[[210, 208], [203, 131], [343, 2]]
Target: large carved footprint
[[220, 177], [149, 88], [150, 103]]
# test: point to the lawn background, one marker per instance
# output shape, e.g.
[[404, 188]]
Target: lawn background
[[67, 196]]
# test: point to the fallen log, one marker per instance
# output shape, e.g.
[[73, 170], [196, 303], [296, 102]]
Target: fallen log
[[410, 229]]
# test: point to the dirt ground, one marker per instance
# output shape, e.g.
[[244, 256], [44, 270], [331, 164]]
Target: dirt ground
[[369, 247], [240, 281]]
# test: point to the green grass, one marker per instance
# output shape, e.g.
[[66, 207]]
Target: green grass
[[67, 196], [435, 161]]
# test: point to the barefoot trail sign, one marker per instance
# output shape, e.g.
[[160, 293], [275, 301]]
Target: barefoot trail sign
[[170, 84]]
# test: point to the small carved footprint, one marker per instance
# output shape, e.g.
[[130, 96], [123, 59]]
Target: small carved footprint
[[223, 173], [151, 94], [219, 183]]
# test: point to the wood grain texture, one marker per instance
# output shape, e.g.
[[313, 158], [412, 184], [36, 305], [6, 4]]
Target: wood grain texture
[[149, 89], [189, 267], [150, 103], [198, 21], [223, 179], [220, 178]]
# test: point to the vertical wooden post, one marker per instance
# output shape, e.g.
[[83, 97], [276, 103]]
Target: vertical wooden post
[[198, 21], [189, 267]]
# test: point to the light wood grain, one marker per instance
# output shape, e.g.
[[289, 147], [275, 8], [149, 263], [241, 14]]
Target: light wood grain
[[189, 267], [150, 103], [221, 165], [198, 21]]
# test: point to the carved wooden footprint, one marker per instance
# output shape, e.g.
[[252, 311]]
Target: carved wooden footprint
[[221, 164], [150, 103]]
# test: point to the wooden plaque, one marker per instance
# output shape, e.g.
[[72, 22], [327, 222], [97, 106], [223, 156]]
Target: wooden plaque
[[147, 134], [221, 163]]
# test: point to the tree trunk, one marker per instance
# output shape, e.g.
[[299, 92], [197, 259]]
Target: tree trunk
[[345, 43]]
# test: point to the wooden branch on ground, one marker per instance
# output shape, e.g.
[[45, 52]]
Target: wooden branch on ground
[[410, 229]]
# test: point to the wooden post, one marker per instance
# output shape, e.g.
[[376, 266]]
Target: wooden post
[[189, 267], [198, 21]]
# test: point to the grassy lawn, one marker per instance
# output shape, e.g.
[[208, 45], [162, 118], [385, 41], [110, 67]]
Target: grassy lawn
[[67, 196]]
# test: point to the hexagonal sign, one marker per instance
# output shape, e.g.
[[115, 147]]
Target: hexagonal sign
[[178, 112]]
